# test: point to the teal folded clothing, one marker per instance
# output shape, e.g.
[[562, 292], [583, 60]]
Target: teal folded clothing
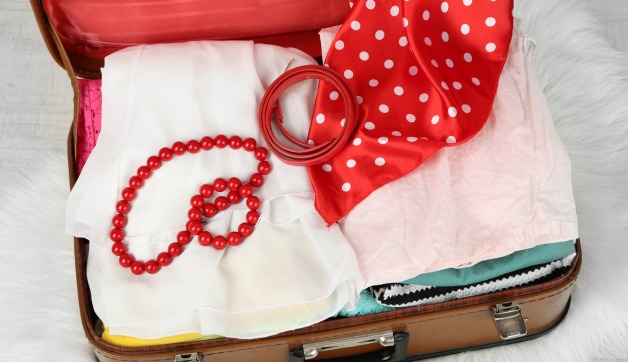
[[365, 305]]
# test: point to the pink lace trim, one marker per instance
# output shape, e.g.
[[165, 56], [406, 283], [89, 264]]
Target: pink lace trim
[[89, 119]]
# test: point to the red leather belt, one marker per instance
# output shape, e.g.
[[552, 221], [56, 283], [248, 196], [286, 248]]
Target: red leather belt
[[305, 155]]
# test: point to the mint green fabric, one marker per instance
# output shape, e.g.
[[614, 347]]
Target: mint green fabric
[[365, 305], [493, 268]]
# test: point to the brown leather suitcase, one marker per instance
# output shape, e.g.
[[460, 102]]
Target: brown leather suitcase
[[406, 334]]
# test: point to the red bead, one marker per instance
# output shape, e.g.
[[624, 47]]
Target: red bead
[[207, 143], [164, 259], [175, 249], [165, 154], [153, 162], [119, 221], [234, 184], [234, 238], [235, 142], [193, 146], [205, 238], [197, 201], [137, 267], [151, 267], [252, 217], [221, 141], [245, 229], [195, 214], [246, 190], [220, 184], [118, 249], [184, 237], [209, 210], [261, 153], [256, 179], [206, 191], [128, 194], [194, 227], [234, 197], [135, 182], [221, 203], [144, 172], [178, 148], [264, 167], [123, 207], [116, 235], [249, 144], [219, 242], [126, 260]]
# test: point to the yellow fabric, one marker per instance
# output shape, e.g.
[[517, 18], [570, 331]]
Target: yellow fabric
[[125, 341]]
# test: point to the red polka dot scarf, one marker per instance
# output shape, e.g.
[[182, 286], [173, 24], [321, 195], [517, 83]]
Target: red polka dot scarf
[[425, 74]]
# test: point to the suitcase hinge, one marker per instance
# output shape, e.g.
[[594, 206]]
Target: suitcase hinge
[[509, 320], [188, 357]]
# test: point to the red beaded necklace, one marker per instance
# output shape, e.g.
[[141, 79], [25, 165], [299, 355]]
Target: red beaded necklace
[[200, 206]]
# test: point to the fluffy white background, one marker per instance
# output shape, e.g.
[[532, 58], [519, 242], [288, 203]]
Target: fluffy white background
[[586, 83]]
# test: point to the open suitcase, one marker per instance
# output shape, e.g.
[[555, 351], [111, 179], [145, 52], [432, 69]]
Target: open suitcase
[[406, 334]]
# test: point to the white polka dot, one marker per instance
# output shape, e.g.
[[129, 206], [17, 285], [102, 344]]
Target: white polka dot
[[445, 36], [435, 63], [465, 29], [449, 63], [342, 122], [383, 140], [370, 4], [452, 112], [351, 4], [410, 118], [435, 119], [444, 7], [364, 56], [383, 108], [405, 22], [444, 85], [389, 64], [360, 99], [466, 108], [428, 41], [348, 74], [467, 2], [396, 133], [426, 15], [333, 95], [398, 90], [475, 81], [369, 125], [310, 142], [413, 70], [424, 97], [412, 139], [327, 168], [394, 11], [403, 41], [357, 141], [320, 118], [379, 35], [467, 57], [490, 21], [351, 163], [340, 45], [373, 82], [355, 25], [380, 161], [490, 47], [451, 139], [346, 187], [457, 85]]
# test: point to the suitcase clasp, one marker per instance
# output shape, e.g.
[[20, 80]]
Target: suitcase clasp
[[509, 320], [188, 357]]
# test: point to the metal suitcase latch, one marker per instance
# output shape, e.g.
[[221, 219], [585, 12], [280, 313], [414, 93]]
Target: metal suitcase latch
[[188, 357], [386, 339], [509, 320]]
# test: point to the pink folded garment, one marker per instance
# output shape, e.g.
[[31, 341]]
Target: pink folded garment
[[90, 115]]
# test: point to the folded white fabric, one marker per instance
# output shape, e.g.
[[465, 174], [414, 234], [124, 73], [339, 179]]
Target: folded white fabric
[[291, 272]]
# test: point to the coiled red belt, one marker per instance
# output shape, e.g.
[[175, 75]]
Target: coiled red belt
[[305, 155]]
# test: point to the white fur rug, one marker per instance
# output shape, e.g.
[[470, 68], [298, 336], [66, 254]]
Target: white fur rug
[[587, 88]]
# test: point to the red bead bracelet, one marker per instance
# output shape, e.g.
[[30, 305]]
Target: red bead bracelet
[[200, 206]]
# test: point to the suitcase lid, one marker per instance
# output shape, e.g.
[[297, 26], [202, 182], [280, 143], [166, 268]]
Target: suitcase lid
[[92, 29]]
